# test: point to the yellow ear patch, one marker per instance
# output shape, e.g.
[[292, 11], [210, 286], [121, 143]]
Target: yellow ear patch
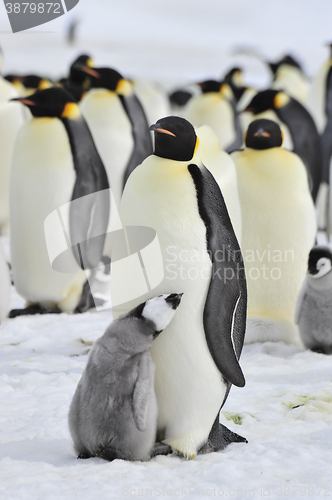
[[71, 111], [282, 137], [89, 63], [44, 84], [245, 136], [196, 146], [225, 91], [280, 100], [124, 87]]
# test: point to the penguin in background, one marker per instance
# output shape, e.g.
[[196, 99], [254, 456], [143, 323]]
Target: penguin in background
[[197, 357], [32, 83], [4, 287], [288, 76], [280, 107], [223, 170], [216, 108], [11, 120], [313, 308], [278, 231], [77, 82], [180, 96], [56, 163], [153, 98], [118, 125], [242, 94], [113, 413]]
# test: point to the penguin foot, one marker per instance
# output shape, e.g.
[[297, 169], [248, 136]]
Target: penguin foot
[[33, 309], [84, 455], [86, 301], [160, 449], [322, 350], [219, 438]]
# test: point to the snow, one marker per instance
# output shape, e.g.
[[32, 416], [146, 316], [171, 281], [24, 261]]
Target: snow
[[285, 409]]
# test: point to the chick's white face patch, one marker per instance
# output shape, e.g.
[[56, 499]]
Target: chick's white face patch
[[159, 311], [323, 266]]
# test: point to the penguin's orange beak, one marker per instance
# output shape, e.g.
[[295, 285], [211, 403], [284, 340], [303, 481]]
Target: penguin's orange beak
[[89, 71], [27, 102], [156, 128], [261, 133]]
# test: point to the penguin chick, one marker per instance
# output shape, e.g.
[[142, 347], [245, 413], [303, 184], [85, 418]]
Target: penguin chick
[[313, 311], [113, 413]]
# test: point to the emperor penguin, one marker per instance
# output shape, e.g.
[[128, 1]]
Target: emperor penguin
[[278, 230], [216, 108], [153, 98], [4, 287], [77, 82], [118, 125], [320, 106], [196, 359], [313, 308], [57, 173], [113, 413], [282, 108], [11, 120], [288, 76], [242, 94]]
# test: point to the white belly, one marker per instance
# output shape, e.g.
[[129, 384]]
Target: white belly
[[42, 180], [11, 120]]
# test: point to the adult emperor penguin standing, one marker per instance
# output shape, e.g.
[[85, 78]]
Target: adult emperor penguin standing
[[118, 125], [197, 358], [314, 309], [216, 107], [11, 120], [289, 76], [288, 112], [55, 168], [278, 231]]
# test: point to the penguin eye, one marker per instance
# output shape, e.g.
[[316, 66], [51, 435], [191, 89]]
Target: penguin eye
[[323, 262]]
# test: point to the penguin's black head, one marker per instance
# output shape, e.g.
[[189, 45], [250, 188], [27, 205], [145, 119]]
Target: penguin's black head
[[210, 86], [53, 103], [75, 74], [287, 59], [267, 99], [106, 78], [175, 138], [320, 261], [35, 82], [263, 134]]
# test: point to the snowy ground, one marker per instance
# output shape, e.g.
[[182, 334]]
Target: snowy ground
[[285, 410]]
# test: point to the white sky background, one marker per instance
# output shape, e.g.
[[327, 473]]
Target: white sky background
[[175, 40]]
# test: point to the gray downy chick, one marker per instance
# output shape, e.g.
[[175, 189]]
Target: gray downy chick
[[314, 304], [113, 413]]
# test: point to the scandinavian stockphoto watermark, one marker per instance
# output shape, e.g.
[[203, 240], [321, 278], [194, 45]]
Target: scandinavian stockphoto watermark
[[138, 264], [25, 14]]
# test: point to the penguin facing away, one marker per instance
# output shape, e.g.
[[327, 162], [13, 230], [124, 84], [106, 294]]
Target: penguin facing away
[[118, 125], [216, 108], [278, 230], [289, 77], [56, 163], [313, 308], [301, 126], [113, 413], [197, 358]]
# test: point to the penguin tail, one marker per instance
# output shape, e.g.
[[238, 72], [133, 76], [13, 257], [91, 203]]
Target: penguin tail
[[219, 438]]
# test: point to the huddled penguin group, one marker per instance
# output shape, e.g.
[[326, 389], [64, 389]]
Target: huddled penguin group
[[232, 182]]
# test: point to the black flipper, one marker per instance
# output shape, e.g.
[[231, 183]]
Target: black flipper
[[33, 309], [220, 437], [327, 134], [237, 127], [141, 133], [306, 140], [89, 215], [224, 315], [86, 301]]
